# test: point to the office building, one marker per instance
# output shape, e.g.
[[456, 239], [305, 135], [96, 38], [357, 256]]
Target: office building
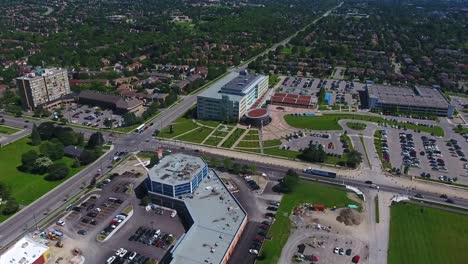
[[417, 100], [43, 87], [213, 218], [232, 96]]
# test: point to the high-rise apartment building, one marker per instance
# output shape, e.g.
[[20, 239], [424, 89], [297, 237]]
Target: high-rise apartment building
[[42, 87]]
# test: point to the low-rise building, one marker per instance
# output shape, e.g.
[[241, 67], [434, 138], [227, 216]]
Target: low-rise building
[[26, 250], [231, 97], [213, 218], [116, 103], [417, 100]]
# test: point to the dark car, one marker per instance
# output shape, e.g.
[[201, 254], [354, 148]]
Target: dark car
[[444, 196], [272, 208], [270, 215], [418, 195], [450, 201], [348, 252], [368, 182], [82, 232]]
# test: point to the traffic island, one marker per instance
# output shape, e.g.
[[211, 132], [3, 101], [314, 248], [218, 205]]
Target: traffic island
[[128, 213]]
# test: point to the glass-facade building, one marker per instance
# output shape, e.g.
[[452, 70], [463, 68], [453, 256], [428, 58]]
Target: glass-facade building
[[162, 182]]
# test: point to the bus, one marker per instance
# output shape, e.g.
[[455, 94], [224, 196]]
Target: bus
[[140, 128]]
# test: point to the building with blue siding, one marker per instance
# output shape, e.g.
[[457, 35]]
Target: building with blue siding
[[176, 175]]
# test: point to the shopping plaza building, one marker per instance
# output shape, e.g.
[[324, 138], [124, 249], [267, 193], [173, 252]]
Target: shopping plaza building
[[232, 96]]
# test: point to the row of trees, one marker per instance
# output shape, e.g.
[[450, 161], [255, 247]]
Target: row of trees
[[316, 153], [10, 206]]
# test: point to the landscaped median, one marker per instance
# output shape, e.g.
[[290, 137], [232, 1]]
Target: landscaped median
[[305, 192], [8, 130], [128, 213], [330, 122]]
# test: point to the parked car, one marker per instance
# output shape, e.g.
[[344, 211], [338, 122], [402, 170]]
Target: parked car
[[82, 232]]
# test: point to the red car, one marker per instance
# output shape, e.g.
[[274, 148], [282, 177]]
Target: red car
[[356, 259]]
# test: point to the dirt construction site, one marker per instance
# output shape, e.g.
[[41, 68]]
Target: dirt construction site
[[328, 236]]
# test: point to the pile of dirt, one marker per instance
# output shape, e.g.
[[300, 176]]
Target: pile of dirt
[[349, 217]]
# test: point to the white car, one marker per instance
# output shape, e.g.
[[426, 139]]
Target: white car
[[253, 251], [174, 213], [132, 256], [119, 251], [335, 250], [341, 251], [98, 209], [110, 260], [60, 223], [123, 253]]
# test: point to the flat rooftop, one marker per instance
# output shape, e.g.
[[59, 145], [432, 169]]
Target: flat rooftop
[[234, 85], [40, 72], [176, 169], [25, 251], [217, 217], [419, 97]]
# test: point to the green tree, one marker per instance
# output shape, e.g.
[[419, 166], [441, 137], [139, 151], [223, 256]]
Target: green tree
[[41, 165], [354, 159], [35, 137], [11, 207], [57, 171], [108, 123], [236, 168], [130, 119], [46, 130], [28, 159], [290, 181], [154, 160], [227, 163], [95, 140], [52, 149]]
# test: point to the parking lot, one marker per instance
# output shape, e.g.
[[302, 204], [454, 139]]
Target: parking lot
[[89, 115], [330, 142], [426, 154]]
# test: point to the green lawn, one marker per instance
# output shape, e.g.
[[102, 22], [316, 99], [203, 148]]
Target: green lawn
[[209, 123], [271, 143], [356, 125], [26, 187], [274, 151], [180, 126], [233, 138], [305, 192], [7, 130], [423, 235], [330, 122], [196, 136], [248, 144], [213, 141], [250, 137], [273, 80]]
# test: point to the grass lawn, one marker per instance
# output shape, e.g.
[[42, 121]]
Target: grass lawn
[[286, 51], [464, 130], [213, 141], [271, 143], [7, 130], [233, 138], [427, 235], [196, 136], [273, 80], [252, 132], [356, 125], [180, 126], [248, 144], [330, 122], [305, 192], [249, 150], [209, 123], [26, 187], [274, 151], [250, 137]]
